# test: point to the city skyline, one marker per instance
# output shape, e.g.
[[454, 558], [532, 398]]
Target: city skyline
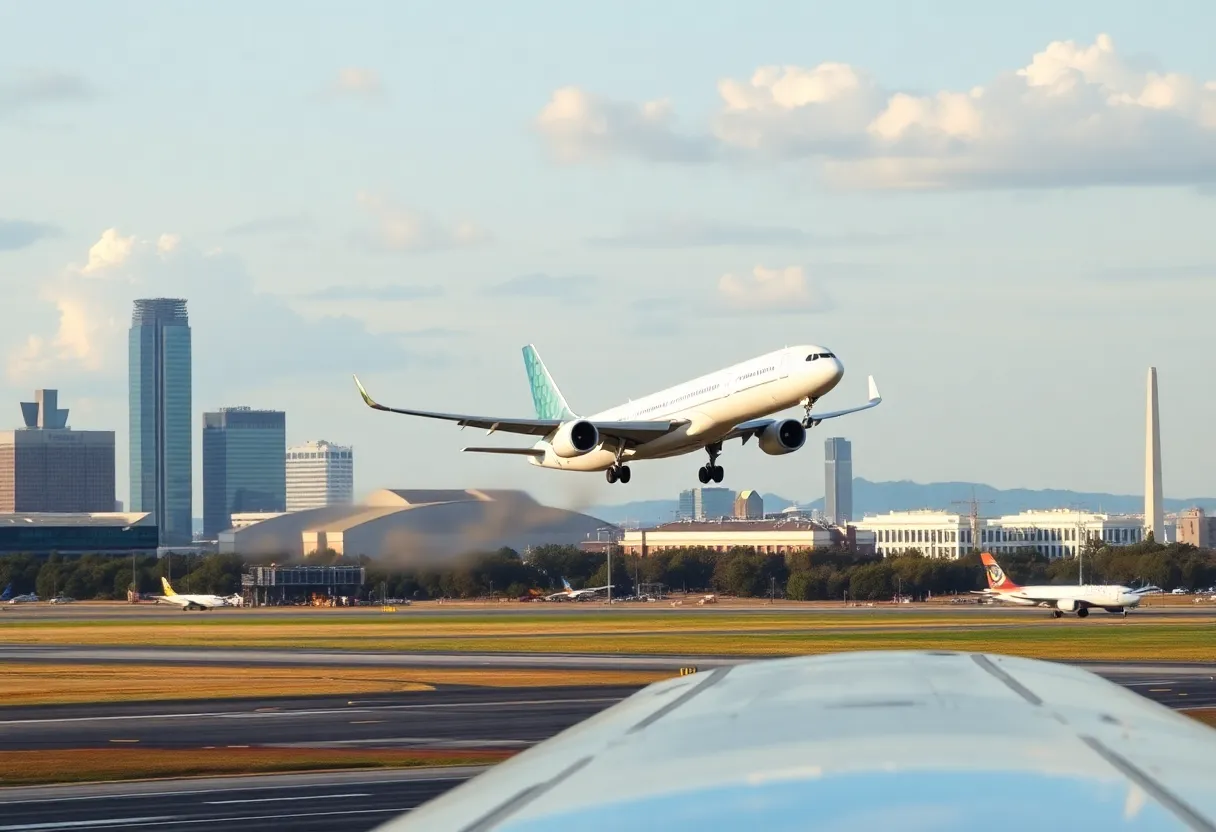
[[752, 186]]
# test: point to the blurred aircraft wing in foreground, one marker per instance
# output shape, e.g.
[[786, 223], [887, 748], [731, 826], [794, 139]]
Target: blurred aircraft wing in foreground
[[853, 741]]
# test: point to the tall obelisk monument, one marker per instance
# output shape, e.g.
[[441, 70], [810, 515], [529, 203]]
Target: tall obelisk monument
[[1154, 515]]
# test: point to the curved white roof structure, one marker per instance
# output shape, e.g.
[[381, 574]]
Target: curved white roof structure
[[414, 523]]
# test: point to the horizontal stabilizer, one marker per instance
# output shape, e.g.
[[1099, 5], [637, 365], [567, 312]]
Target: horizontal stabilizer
[[535, 452]]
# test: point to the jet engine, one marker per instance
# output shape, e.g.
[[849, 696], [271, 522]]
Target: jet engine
[[575, 439], [1066, 604], [783, 437]]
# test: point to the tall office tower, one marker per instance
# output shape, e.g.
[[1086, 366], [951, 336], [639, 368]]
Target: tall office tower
[[706, 504], [320, 474], [242, 465], [160, 383], [1154, 507], [47, 466], [838, 480]]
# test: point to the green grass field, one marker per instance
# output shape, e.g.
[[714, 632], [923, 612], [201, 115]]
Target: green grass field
[[1098, 637]]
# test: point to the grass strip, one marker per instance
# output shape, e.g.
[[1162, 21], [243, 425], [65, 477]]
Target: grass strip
[[80, 765], [1064, 639], [1205, 715], [33, 683]]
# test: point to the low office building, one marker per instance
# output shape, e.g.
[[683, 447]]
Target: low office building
[[414, 526], [101, 533], [770, 537], [1053, 533], [1196, 528]]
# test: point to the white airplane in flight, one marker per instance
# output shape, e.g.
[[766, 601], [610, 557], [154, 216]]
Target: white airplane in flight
[[733, 403], [192, 602], [1062, 598]]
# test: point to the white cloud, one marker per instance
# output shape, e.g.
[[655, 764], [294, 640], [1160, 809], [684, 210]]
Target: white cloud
[[230, 320], [358, 81], [111, 251], [581, 127], [771, 290], [399, 229], [1074, 115]]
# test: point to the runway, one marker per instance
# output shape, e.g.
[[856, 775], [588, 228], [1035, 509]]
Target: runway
[[300, 803], [460, 718]]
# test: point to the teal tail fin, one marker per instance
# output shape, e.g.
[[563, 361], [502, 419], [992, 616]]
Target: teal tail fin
[[548, 400]]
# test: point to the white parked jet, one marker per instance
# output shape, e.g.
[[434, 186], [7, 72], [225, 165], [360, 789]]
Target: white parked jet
[[733, 403], [569, 593], [1062, 598], [191, 602]]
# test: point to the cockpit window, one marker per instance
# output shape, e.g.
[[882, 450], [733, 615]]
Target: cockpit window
[[816, 355]]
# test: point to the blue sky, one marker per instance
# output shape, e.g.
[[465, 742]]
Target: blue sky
[[415, 190]]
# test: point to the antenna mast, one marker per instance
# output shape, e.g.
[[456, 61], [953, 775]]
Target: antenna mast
[[974, 506]]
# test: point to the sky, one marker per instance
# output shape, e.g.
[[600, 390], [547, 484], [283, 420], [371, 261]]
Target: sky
[[1004, 212]]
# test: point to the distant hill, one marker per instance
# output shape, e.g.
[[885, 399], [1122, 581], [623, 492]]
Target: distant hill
[[904, 495]]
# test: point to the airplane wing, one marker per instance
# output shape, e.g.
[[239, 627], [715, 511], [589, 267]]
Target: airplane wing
[[863, 740], [746, 430], [634, 432]]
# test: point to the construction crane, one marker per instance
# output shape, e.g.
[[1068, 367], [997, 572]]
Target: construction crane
[[974, 505]]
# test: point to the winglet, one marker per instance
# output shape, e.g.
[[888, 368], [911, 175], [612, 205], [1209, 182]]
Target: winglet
[[875, 396], [366, 398]]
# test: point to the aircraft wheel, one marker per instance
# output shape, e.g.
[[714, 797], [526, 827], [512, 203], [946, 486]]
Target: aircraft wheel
[[717, 473], [703, 475], [1082, 612], [1057, 614], [611, 475], [623, 474]]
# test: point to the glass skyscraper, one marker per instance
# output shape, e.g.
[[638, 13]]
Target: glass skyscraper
[[838, 480], [244, 466], [159, 382]]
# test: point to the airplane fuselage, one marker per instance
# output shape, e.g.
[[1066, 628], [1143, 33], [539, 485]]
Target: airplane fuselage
[[1111, 596], [712, 405]]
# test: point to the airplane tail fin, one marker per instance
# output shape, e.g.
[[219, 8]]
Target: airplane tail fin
[[567, 586], [997, 580], [169, 593], [548, 400], [7, 594]]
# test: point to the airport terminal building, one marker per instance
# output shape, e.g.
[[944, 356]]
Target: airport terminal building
[[413, 525], [771, 537]]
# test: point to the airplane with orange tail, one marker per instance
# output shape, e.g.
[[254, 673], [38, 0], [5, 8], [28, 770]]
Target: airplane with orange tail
[[1113, 598]]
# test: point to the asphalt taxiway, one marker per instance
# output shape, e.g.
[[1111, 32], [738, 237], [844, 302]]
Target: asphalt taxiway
[[456, 718], [299, 803]]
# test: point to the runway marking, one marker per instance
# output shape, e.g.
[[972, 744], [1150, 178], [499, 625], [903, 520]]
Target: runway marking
[[282, 799], [76, 824], [176, 821], [124, 740], [319, 712], [238, 746], [366, 721], [235, 787]]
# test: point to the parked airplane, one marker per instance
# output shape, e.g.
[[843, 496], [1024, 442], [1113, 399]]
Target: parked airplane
[[191, 602], [733, 403], [569, 593], [1062, 598], [8, 597]]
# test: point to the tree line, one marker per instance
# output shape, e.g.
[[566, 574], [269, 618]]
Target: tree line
[[812, 575]]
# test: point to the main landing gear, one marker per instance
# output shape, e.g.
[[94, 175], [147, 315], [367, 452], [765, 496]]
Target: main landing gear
[[712, 470], [617, 473]]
